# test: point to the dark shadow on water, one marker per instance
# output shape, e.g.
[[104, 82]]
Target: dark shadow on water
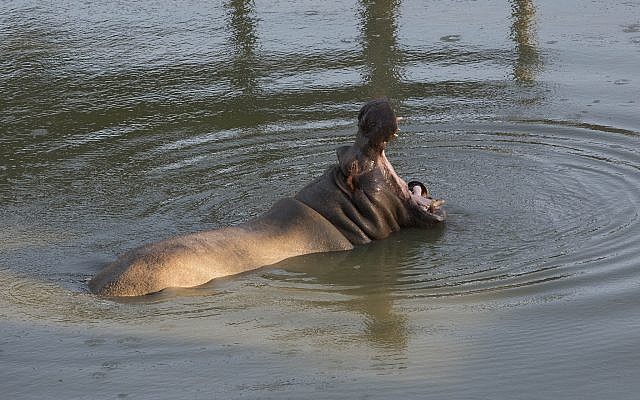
[[369, 276]]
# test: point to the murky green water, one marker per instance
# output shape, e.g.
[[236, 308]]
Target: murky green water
[[123, 123]]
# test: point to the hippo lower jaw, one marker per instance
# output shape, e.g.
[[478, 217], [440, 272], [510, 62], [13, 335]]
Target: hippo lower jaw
[[414, 193], [419, 197]]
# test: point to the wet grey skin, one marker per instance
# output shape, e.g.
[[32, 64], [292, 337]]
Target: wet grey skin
[[356, 201]]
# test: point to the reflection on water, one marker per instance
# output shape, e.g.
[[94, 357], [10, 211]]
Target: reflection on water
[[124, 125], [370, 276], [523, 33], [242, 26], [366, 280], [381, 54]]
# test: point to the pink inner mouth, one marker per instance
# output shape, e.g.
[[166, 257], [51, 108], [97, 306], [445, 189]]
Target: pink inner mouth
[[423, 200]]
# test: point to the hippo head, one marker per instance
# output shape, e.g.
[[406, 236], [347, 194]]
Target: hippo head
[[362, 195], [377, 125]]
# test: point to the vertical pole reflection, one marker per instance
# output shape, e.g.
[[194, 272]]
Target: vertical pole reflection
[[380, 50], [242, 26], [524, 35]]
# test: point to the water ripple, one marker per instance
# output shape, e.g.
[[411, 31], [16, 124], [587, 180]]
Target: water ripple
[[531, 203], [536, 208]]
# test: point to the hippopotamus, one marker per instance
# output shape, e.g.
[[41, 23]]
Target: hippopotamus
[[355, 201]]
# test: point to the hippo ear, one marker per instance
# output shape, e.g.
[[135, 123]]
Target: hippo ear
[[353, 170], [349, 166]]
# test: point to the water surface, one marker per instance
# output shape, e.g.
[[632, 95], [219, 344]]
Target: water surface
[[125, 123]]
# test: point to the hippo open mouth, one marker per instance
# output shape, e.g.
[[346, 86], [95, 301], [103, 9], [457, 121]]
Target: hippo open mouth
[[420, 196], [363, 196], [378, 125], [415, 193]]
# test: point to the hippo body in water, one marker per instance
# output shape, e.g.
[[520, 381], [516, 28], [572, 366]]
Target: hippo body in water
[[358, 200]]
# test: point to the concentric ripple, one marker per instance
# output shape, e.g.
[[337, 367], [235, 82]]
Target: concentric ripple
[[536, 205], [536, 209]]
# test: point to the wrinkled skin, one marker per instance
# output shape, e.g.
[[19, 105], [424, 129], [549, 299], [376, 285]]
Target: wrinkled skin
[[358, 200], [362, 195]]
